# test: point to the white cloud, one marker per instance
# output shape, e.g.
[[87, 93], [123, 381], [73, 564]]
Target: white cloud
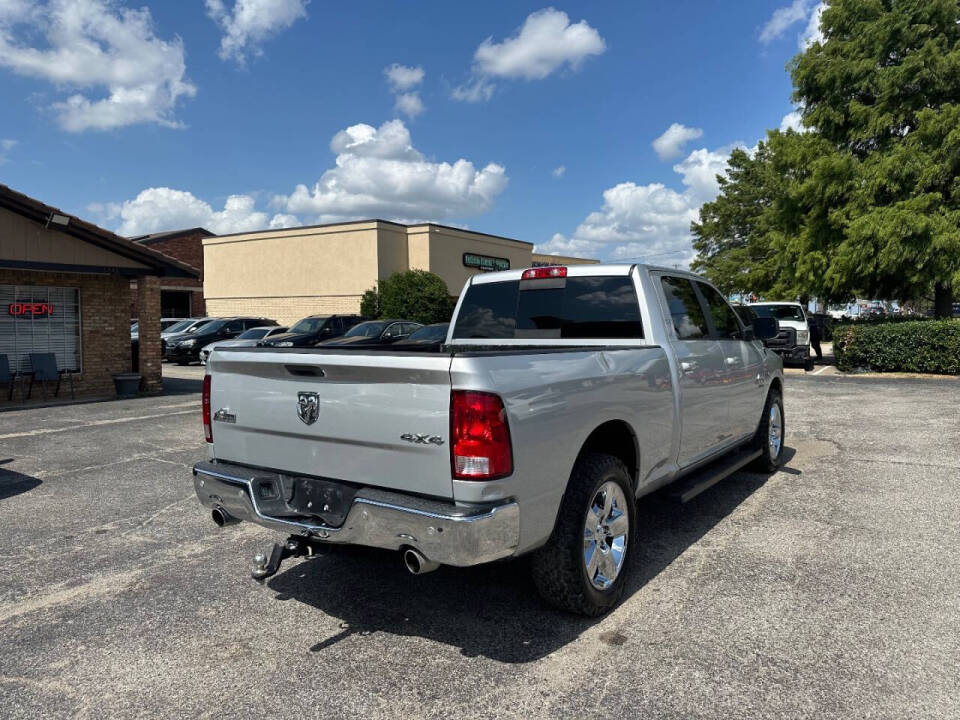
[[379, 173], [560, 171], [474, 91], [782, 19], [812, 34], [159, 209], [6, 144], [409, 104], [671, 143], [250, 23], [403, 80], [799, 11], [403, 77], [546, 42], [649, 223], [792, 121], [93, 44]]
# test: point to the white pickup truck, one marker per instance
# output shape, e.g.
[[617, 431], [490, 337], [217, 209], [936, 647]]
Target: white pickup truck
[[560, 396]]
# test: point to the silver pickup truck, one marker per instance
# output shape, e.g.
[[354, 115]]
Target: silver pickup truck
[[560, 396]]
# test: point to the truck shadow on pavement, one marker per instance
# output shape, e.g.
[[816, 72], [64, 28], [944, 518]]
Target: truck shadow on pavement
[[13, 483], [491, 610]]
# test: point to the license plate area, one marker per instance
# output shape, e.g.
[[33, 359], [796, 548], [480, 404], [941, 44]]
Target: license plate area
[[297, 496]]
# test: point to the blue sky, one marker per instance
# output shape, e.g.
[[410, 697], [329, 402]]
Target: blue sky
[[239, 115]]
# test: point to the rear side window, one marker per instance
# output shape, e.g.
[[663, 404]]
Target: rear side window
[[724, 320], [575, 308], [685, 309]]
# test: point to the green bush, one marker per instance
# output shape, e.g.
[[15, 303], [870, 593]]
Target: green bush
[[924, 346], [415, 295]]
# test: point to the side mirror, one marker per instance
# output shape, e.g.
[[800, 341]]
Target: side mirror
[[765, 328]]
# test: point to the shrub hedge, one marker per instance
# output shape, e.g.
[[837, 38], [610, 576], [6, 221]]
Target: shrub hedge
[[922, 346]]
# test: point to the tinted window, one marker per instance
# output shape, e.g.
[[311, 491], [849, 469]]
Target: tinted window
[[367, 329], [684, 308], [207, 327], [724, 320], [575, 308], [488, 311], [309, 325], [430, 333], [253, 334], [780, 312]]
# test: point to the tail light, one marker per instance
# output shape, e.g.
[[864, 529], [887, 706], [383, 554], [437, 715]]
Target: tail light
[[480, 436], [207, 426], [541, 273]]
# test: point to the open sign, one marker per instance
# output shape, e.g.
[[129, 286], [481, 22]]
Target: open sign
[[31, 309]]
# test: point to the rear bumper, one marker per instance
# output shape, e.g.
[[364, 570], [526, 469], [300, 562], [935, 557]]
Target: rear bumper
[[445, 533]]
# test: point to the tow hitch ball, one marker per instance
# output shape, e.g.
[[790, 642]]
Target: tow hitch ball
[[264, 567]]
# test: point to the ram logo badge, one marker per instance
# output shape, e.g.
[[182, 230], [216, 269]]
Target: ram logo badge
[[418, 439], [308, 407]]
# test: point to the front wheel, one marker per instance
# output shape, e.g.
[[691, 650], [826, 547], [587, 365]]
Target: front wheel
[[583, 566], [770, 434]]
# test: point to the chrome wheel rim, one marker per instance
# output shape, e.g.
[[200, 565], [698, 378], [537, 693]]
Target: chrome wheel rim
[[605, 533], [775, 433]]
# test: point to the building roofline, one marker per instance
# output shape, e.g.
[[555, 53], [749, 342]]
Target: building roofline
[[379, 221], [33, 209], [151, 238]]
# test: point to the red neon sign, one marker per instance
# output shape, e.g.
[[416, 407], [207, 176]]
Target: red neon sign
[[31, 309]]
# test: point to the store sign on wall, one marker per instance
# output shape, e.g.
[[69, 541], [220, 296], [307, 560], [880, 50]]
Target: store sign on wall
[[31, 309], [485, 262]]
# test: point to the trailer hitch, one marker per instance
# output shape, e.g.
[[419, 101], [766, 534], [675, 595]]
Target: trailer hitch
[[264, 567]]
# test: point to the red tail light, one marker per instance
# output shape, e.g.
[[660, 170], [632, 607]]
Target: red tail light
[[479, 436], [207, 426], [540, 273]]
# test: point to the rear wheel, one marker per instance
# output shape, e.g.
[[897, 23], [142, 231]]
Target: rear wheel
[[583, 566], [770, 434]]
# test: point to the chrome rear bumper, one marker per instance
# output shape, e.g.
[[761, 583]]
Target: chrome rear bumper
[[445, 533]]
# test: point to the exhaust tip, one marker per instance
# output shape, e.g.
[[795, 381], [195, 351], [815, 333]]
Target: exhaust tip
[[221, 517], [417, 563]]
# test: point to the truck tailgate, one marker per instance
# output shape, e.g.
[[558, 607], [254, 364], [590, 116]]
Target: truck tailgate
[[381, 419]]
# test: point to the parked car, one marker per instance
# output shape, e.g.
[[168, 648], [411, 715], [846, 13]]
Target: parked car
[[428, 335], [184, 326], [165, 324], [792, 342], [564, 394], [312, 330], [185, 347], [248, 338], [375, 332]]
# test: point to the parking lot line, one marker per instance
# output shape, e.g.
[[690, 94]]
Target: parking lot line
[[95, 423]]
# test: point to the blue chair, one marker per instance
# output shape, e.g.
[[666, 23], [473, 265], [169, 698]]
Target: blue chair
[[7, 376], [45, 370]]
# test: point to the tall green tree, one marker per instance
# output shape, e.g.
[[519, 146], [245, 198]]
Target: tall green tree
[[416, 295], [883, 88], [867, 201]]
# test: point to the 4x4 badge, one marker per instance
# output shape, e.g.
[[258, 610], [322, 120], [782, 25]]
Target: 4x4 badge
[[308, 407]]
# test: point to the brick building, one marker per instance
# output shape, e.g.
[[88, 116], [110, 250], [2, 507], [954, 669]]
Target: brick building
[[65, 289], [179, 297]]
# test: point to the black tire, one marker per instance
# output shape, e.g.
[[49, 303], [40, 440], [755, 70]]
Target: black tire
[[808, 365], [183, 362], [558, 567], [768, 462]]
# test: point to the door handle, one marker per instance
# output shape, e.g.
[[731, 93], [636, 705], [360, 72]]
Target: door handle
[[687, 367], [732, 360]]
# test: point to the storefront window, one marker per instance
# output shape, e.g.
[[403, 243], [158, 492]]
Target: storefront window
[[39, 319]]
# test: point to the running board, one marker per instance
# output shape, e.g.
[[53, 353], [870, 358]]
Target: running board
[[689, 487]]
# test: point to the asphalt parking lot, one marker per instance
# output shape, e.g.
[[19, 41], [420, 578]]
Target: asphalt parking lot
[[829, 589]]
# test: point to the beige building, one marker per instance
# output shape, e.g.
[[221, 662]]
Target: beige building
[[291, 273]]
